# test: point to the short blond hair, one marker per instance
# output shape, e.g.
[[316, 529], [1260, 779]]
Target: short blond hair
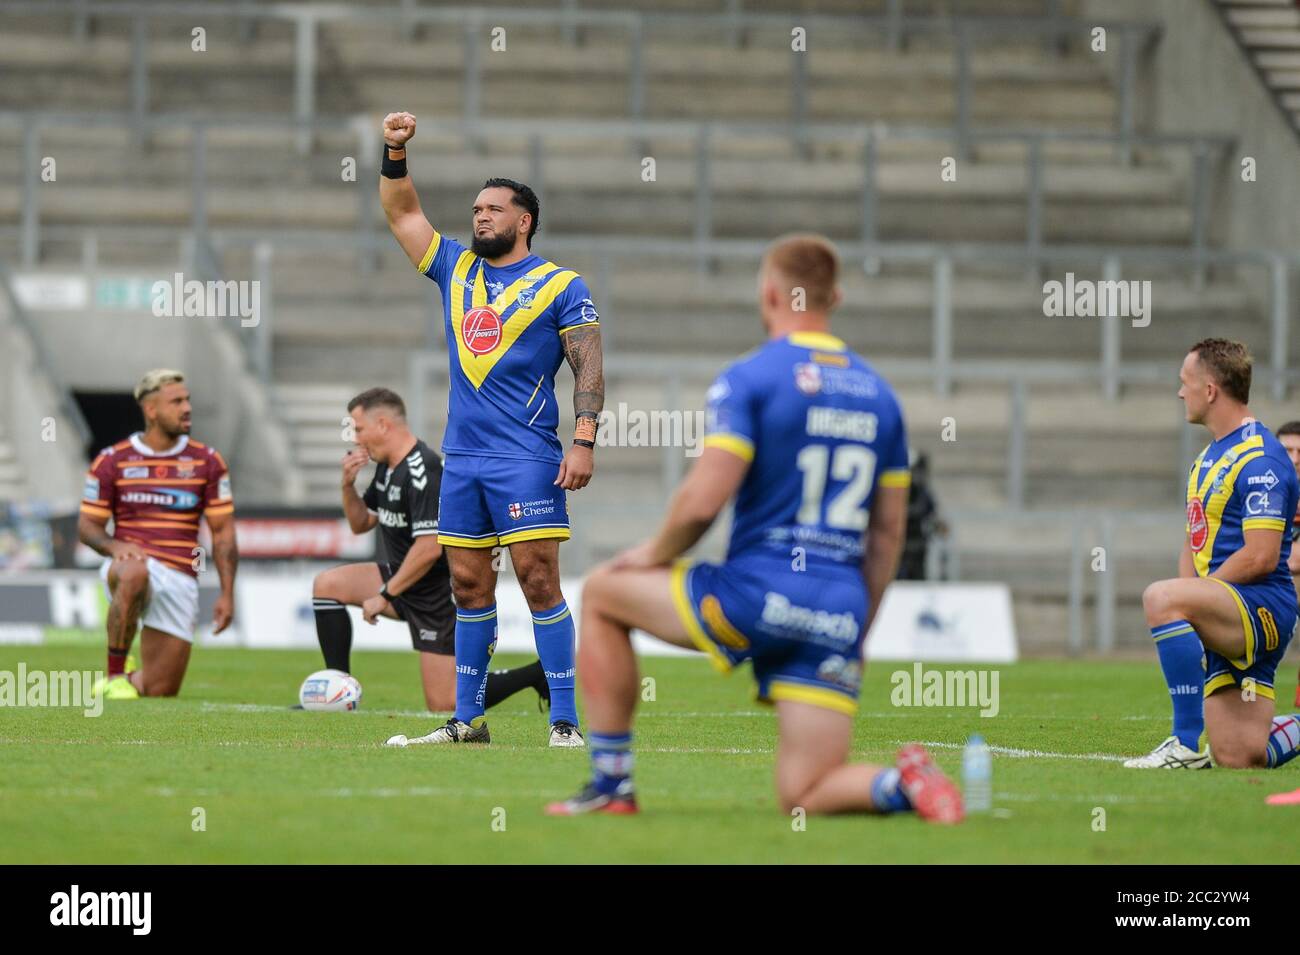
[[808, 261], [154, 380], [1229, 365]]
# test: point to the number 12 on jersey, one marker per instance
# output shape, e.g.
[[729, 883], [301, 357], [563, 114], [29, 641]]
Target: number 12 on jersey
[[853, 463]]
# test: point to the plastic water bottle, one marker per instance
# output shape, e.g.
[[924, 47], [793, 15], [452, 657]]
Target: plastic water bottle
[[977, 775]]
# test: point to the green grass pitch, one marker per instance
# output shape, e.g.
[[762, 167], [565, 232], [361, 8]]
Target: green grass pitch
[[277, 785]]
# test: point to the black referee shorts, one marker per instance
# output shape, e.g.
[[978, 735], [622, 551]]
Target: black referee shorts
[[430, 615]]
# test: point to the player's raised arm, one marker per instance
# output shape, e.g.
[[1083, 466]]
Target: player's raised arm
[[397, 192]]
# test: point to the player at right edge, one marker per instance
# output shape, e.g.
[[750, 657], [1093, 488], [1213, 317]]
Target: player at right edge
[[810, 442], [1222, 626]]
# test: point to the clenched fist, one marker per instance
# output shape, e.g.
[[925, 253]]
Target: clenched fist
[[398, 129]]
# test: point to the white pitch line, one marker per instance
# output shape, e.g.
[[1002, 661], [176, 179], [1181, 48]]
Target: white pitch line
[[270, 708], [425, 714], [1107, 798], [1025, 753], [705, 749]]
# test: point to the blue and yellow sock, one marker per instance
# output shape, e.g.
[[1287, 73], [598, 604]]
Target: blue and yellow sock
[[553, 634], [1181, 653], [611, 760], [476, 638], [1284, 741], [887, 795]]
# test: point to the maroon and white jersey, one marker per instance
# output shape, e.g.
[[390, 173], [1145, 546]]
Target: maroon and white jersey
[[155, 499]]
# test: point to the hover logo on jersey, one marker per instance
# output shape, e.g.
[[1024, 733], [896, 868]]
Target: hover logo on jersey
[[1198, 528], [515, 511], [130, 473], [481, 330], [394, 493]]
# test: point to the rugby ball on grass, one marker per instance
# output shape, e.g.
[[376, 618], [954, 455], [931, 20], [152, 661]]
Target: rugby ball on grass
[[330, 690]]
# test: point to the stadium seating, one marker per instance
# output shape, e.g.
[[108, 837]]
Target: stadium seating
[[348, 313], [1270, 31]]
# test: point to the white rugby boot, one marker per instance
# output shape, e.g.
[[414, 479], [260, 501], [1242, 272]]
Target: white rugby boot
[[566, 735], [1171, 754], [452, 731]]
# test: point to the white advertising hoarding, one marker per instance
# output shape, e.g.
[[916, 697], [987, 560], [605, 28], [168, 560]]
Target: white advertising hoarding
[[944, 623]]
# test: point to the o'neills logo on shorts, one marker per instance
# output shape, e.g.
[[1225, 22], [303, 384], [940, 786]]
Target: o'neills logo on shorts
[[481, 330], [1198, 528]]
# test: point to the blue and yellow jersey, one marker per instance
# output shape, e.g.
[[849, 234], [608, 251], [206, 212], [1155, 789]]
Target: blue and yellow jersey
[[1240, 482], [504, 329], [822, 431]]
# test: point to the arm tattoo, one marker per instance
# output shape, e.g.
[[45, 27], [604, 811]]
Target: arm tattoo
[[582, 350]]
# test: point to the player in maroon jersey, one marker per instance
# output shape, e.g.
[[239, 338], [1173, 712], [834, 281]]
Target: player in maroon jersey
[[155, 486]]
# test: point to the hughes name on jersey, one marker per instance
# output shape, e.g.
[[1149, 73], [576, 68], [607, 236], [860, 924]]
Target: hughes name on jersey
[[504, 328], [821, 430]]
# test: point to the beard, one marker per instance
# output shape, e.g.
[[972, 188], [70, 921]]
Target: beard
[[493, 246]]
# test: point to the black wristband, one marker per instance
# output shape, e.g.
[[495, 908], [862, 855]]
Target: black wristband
[[383, 592], [584, 443], [392, 168]]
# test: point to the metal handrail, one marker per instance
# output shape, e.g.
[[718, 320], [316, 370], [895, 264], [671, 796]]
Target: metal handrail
[[632, 129], [568, 14], [893, 26], [943, 366]]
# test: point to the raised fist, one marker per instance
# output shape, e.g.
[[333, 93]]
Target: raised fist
[[398, 128]]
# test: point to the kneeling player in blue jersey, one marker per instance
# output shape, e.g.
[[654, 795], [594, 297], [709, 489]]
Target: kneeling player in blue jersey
[[1222, 626], [810, 442]]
